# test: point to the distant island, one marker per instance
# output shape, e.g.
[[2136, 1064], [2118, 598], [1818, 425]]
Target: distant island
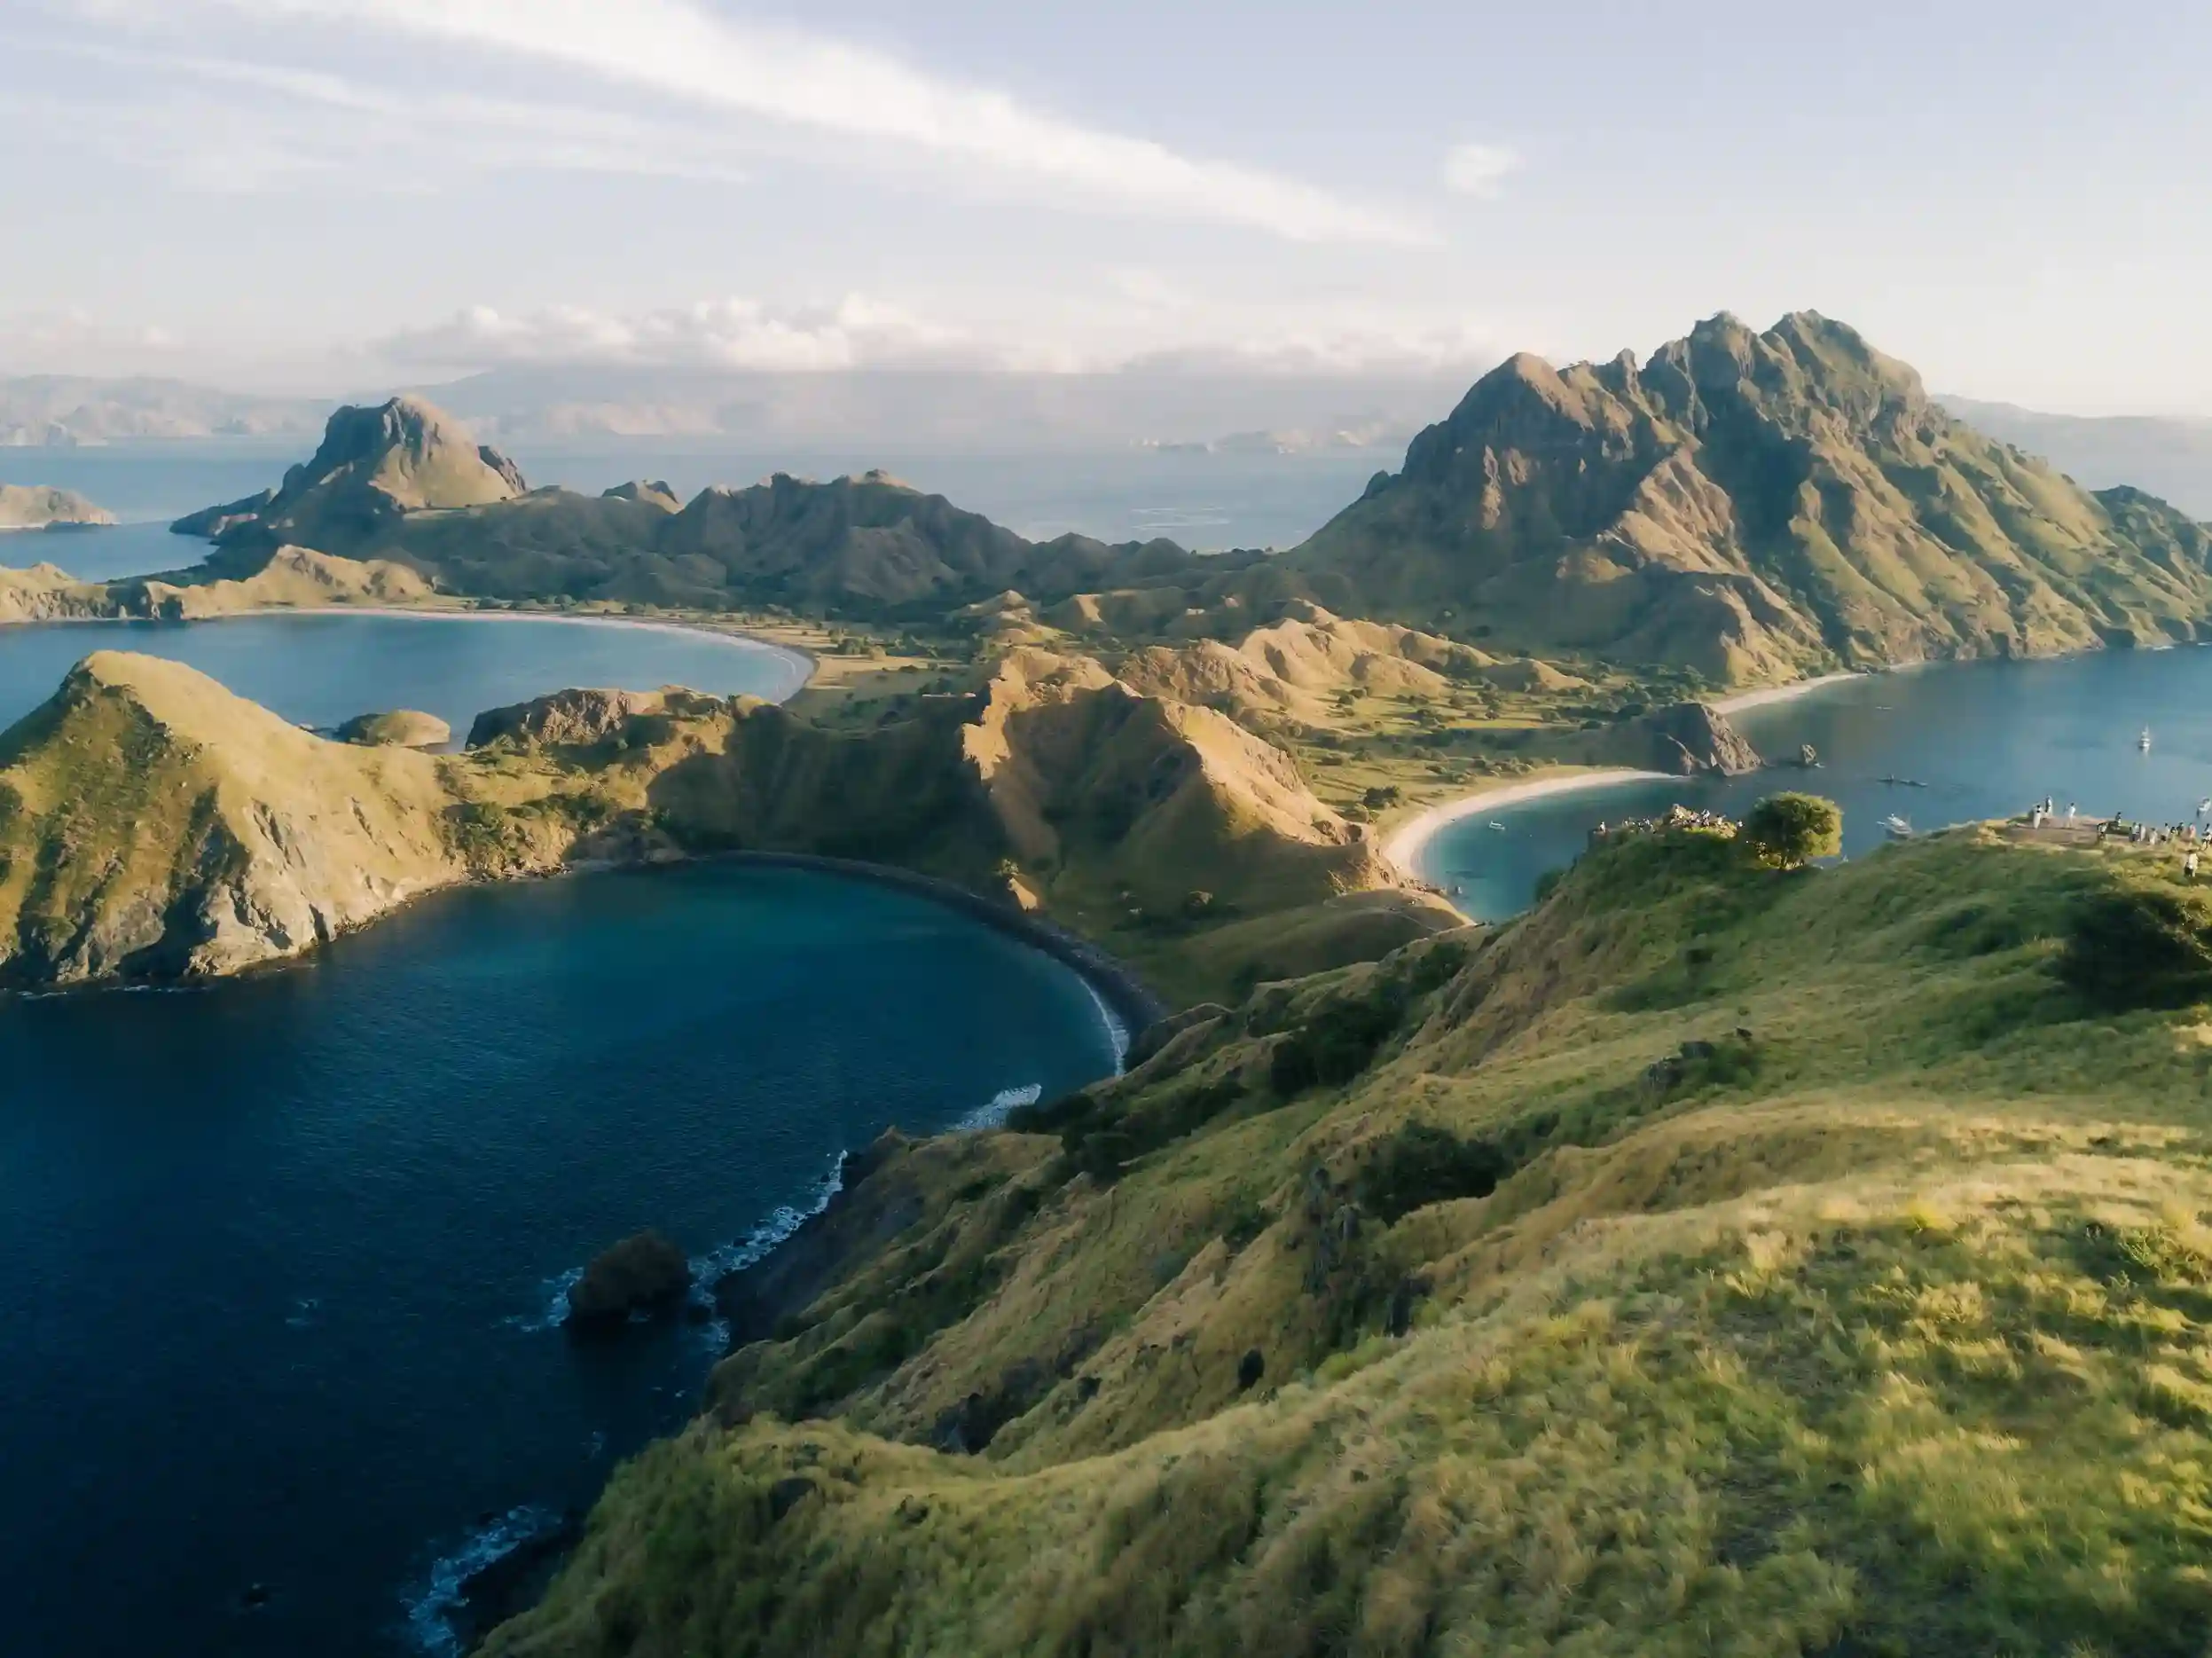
[[33, 507], [1731, 1252]]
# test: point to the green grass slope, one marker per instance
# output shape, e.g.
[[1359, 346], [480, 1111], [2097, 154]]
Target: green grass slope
[[1718, 1260]]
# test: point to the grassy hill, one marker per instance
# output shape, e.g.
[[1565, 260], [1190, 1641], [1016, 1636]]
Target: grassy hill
[[154, 826], [1754, 505], [1717, 1260]]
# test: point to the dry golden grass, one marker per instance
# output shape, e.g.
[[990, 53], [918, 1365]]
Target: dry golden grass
[[1887, 1328]]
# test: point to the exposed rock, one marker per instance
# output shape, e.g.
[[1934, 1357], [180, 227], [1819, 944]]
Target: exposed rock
[[401, 727], [652, 492], [374, 466], [1754, 505], [37, 507], [644, 1273], [578, 716], [1689, 738]]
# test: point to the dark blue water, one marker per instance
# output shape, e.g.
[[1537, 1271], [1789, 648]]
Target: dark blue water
[[1987, 738], [323, 670], [278, 1251]]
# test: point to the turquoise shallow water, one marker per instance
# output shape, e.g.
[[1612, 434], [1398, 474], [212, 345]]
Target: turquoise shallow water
[[280, 1250], [1985, 738]]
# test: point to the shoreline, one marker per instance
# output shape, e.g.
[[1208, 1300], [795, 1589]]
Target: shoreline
[[804, 660], [1405, 843], [1769, 694]]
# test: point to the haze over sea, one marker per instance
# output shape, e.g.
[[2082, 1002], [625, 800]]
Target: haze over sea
[[1208, 501]]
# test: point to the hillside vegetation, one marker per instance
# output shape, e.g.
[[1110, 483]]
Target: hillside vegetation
[[1756, 506], [153, 825], [1720, 1259]]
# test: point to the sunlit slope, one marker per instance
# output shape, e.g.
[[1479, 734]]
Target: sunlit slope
[[1754, 505], [1716, 1261]]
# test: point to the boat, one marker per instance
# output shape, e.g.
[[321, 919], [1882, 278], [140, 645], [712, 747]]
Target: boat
[[1497, 826], [1896, 828], [2144, 741], [1904, 783]]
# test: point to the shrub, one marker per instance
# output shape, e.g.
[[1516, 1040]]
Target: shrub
[[2139, 947], [1791, 829], [1336, 1042], [1422, 1164]]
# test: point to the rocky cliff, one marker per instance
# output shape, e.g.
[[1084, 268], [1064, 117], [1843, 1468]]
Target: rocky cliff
[[374, 465], [1753, 505], [1689, 738]]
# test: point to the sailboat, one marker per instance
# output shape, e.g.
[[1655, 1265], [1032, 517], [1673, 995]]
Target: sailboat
[[2144, 741]]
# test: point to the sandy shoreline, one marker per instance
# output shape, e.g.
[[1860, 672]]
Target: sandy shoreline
[[1406, 842], [1743, 700]]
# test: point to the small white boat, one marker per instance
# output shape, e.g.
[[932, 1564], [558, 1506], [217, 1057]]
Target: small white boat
[[1497, 826], [2144, 741], [1896, 828]]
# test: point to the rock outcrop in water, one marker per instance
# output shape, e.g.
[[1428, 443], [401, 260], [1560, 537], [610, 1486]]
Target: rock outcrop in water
[[644, 1273], [38, 506]]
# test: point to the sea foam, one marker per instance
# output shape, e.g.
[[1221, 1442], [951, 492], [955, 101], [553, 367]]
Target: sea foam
[[431, 1603]]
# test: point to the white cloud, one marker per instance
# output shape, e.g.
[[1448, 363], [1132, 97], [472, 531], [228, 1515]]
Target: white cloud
[[1131, 325], [1479, 169], [853, 95], [300, 125], [733, 334]]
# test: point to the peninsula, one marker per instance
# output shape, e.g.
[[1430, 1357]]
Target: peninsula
[[1731, 1252], [31, 507]]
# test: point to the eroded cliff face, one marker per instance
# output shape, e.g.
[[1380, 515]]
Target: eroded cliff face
[[1754, 505], [1688, 739]]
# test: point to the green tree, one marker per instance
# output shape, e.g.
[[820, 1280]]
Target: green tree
[[1791, 830]]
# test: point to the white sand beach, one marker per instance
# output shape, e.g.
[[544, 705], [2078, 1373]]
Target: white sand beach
[[1738, 703], [1406, 842]]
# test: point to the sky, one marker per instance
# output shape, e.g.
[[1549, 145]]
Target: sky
[[297, 194]]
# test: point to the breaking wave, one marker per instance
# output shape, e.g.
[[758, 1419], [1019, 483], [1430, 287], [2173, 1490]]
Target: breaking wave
[[993, 1115], [431, 1603]]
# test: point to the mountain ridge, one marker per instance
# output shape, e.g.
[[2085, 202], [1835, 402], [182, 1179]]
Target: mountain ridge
[[1753, 505]]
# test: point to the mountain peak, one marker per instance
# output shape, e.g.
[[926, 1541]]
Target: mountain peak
[[376, 463], [1751, 505]]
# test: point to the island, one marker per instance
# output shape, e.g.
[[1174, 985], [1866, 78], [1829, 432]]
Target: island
[[33, 507], [1736, 1250]]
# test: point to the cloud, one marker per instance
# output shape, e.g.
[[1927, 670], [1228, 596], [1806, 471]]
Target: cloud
[[855, 331], [301, 125], [1479, 169], [853, 95], [1128, 327]]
